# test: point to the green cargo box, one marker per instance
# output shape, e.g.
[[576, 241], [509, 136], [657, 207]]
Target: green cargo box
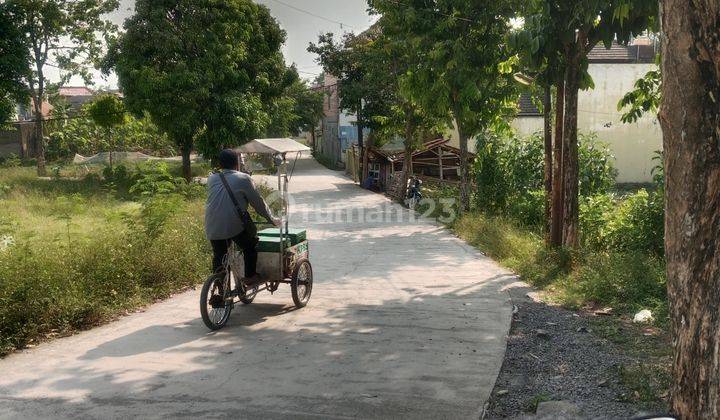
[[296, 235], [270, 244]]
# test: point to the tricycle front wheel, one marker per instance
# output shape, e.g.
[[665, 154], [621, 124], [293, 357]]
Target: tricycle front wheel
[[301, 283], [216, 301]]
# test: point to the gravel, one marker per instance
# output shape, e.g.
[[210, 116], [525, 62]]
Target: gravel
[[553, 355]]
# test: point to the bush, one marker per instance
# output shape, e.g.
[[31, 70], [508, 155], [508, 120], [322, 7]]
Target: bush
[[84, 137], [10, 161], [596, 171], [632, 224], [57, 288], [153, 178], [510, 174]]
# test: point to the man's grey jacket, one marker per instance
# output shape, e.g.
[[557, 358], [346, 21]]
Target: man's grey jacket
[[221, 219]]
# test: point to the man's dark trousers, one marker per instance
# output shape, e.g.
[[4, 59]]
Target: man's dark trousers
[[245, 241]]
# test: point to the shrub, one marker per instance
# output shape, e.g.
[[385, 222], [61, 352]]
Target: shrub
[[510, 174], [85, 137], [632, 224], [638, 224], [10, 161], [596, 171], [56, 288], [153, 178], [625, 281]]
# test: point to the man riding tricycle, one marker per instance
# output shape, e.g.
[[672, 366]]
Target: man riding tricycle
[[247, 261]]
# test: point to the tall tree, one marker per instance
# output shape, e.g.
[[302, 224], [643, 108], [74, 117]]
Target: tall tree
[[388, 61], [66, 34], [537, 44], [460, 47], [14, 64], [298, 109], [573, 29], [690, 119], [205, 70]]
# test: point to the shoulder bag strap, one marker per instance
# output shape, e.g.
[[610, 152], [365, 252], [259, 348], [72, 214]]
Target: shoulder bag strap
[[234, 200]]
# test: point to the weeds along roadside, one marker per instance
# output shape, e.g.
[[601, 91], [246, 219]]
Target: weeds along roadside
[[76, 252]]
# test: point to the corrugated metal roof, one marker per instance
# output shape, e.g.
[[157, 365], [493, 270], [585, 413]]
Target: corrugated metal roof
[[527, 107], [75, 91], [622, 54]]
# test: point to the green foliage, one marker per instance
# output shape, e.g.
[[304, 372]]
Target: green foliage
[[114, 270], [632, 224], [10, 161], [644, 98], [204, 70], [510, 176], [625, 281], [83, 136], [459, 53], [14, 64], [107, 111], [369, 68], [298, 109], [73, 255], [597, 173], [154, 179]]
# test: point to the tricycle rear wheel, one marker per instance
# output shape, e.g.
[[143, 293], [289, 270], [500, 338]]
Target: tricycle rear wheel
[[301, 283]]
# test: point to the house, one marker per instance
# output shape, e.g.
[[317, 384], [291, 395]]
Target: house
[[614, 72], [74, 96], [338, 129], [20, 140]]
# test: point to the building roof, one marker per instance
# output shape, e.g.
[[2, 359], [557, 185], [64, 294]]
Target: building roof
[[527, 107], [272, 146], [636, 53], [396, 155], [75, 91]]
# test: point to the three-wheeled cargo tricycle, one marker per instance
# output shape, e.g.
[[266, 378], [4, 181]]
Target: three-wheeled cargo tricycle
[[283, 253]]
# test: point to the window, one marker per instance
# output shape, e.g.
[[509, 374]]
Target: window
[[374, 171]]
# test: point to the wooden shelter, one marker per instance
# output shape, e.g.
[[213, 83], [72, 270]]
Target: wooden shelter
[[435, 159]]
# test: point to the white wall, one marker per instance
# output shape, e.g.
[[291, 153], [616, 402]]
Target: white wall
[[632, 144]]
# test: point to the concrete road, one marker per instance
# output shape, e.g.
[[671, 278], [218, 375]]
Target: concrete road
[[405, 321]]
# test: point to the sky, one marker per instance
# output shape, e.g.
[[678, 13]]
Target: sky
[[303, 20]]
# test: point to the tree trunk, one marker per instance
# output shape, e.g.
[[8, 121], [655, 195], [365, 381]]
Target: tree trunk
[[407, 161], [39, 137], [39, 95], [362, 145], [464, 173], [556, 223], [186, 169], [312, 139], [690, 119], [547, 131], [570, 149]]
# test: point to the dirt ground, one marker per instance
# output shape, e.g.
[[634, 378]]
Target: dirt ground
[[603, 364]]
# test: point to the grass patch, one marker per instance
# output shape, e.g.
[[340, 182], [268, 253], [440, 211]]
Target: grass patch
[[75, 252], [626, 281], [533, 403], [646, 383]]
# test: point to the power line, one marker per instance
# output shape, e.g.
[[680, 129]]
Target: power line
[[309, 13]]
